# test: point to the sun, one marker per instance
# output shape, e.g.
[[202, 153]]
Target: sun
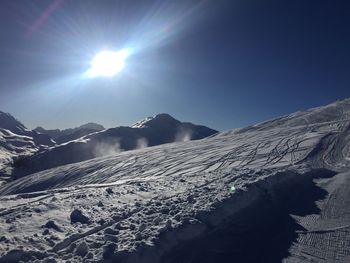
[[108, 63]]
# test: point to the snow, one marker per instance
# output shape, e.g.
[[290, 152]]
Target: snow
[[142, 123], [12, 146], [159, 130], [143, 204], [16, 141]]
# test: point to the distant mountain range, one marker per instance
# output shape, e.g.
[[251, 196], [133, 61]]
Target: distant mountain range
[[62, 136], [23, 151]]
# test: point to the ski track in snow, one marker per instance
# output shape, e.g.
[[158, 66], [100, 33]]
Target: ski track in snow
[[143, 203]]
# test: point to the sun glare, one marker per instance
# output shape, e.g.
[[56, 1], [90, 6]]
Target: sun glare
[[108, 63]]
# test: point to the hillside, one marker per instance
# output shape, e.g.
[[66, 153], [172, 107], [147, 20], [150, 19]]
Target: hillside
[[16, 141], [276, 191], [156, 130]]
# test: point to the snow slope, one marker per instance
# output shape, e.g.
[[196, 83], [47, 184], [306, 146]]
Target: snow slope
[[11, 146], [197, 201], [154, 131], [17, 141]]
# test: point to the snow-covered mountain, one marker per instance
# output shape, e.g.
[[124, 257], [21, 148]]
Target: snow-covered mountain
[[17, 141], [276, 191], [66, 135], [9, 123], [155, 131]]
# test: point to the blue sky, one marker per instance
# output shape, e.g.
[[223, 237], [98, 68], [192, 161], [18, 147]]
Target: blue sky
[[224, 64]]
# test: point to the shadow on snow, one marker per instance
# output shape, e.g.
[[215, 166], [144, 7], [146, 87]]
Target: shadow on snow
[[263, 233]]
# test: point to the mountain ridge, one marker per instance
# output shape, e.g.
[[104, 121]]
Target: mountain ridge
[[42, 149], [157, 130], [70, 134]]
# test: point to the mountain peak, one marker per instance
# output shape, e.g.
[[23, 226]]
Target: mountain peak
[[161, 118], [91, 126], [164, 116], [7, 121]]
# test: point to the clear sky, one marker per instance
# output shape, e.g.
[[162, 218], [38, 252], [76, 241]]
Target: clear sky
[[224, 64]]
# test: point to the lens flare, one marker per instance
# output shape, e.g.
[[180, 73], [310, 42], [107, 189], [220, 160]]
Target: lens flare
[[108, 63]]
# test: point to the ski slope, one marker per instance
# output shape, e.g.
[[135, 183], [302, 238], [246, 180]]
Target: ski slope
[[283, 183]]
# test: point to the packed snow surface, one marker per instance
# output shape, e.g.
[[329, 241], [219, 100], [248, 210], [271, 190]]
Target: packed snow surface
[[159, 203]]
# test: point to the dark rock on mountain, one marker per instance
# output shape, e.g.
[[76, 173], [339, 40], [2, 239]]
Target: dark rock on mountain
[[78, 216], [52, 133], [8, 122]]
